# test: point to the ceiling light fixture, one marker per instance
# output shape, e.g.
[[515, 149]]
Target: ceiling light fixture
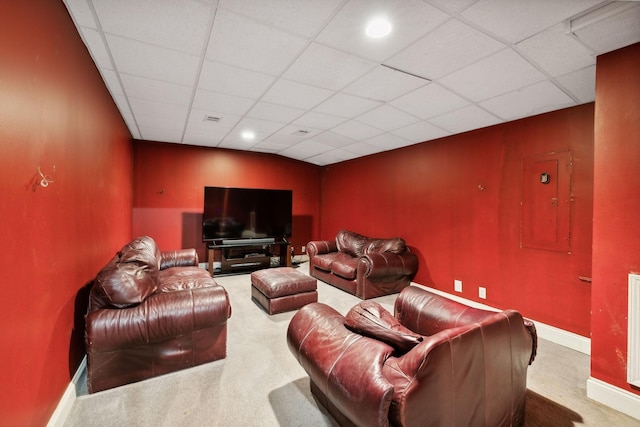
[[378, 27], [248, 135]]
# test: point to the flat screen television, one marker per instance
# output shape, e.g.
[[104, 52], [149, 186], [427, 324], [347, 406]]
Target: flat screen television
[[235, 214]]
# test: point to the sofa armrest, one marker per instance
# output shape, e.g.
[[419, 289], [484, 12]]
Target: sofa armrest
[[178, 258], [319, 247], [388, 265], [160, 317], [345, 367]]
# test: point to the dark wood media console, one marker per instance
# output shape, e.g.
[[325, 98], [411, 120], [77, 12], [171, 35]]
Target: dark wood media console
[[243, 256]]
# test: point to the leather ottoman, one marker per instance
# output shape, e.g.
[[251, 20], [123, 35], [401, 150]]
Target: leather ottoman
[[282, 289]]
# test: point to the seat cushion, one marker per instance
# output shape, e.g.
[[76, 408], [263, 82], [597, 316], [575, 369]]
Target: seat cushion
[[345, 267]]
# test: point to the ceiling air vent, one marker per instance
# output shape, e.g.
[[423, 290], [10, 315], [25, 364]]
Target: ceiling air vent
[[300, 133], [211, 119]]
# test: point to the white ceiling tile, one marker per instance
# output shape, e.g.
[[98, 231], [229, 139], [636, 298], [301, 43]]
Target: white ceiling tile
[[224, 78], [429, 101], [122, 103], [299, 132], [296, 95], [331, 157], [410, 19], [235, 141], [169, 113], [619, 30], [348, 106], [262, 127], [275, 112], [356, 130], [387, 118], [465, 119], [327, 67], [333, 139], [155, 133], [492, 76], [110, 77], [131, 124], [178, 25], [154, 90], [318, 120], [153, 62], [388, 141], [81, 12], [246, 43], [444, 50], [515, 20], [304, 17], [278, 142], [384, 84], [581, 83], [216, 102], [197, 125], [305, 149], [96, 45], [535, 99], [362, 148], [556, 51], [454, 6], [420, 132]]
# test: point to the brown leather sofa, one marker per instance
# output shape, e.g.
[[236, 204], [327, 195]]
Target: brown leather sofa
[[365, 267], [434, 363], [150, 313]]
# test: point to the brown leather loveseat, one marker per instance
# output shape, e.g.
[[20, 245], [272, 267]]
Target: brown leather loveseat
[[365, 267], [150, 313], [435, 362]]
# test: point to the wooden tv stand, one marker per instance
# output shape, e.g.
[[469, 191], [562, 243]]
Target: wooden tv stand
[[244, 256]]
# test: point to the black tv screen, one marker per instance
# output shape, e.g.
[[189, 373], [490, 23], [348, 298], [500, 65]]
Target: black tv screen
[[246, 213]]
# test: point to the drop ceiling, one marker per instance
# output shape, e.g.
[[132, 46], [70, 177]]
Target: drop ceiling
[[303, 77]]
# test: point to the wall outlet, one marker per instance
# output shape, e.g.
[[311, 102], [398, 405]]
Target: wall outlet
[[457, 285], [482, 292], [304, 249]]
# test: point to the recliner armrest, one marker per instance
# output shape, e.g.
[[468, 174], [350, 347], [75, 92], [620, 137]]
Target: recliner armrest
[[178, 258]]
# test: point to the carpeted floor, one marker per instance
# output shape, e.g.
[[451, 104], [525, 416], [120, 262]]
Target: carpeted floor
[[261, 384]]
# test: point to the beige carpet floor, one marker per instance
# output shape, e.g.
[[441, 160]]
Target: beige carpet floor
[[261, 384]]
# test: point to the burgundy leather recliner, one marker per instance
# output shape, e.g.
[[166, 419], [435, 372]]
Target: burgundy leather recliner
[[435, 362], [365, 267], [150, 313]]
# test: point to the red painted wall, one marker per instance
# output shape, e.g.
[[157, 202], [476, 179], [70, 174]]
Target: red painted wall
[[616, 222], [457, 203], [56, 114], [169, 189]]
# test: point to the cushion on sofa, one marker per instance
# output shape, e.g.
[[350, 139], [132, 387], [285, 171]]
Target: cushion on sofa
[[396, 245], [372, 320], [124, 284], [180, 278], [324, 261], [345, 267], [350, 243]]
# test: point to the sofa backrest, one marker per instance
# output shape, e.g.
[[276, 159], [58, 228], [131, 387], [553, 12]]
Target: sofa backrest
[[129, 278], [358, 245]]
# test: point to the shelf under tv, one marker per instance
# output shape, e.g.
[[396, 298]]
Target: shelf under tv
[[241, 255]]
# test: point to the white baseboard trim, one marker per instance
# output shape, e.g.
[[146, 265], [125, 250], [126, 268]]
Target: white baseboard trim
[[614, 397], [63, 409], [550, 333]]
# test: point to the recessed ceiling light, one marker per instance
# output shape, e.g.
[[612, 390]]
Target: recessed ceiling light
[[378, 27], [248, 135]]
